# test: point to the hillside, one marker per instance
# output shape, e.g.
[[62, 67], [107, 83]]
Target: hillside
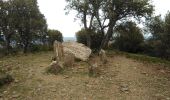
[[121, 78]]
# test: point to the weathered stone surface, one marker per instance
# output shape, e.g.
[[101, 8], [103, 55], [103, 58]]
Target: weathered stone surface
[[55, 67], [69, 59], [103, 56], [80, 51], [94, 69], [58, 51]]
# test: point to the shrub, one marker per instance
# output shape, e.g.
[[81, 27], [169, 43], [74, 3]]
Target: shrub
[[96, 38], [5, 79], [37, 48], [54, 35], [129, 38]]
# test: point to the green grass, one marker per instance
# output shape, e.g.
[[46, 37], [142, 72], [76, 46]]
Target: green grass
[[140, 57]]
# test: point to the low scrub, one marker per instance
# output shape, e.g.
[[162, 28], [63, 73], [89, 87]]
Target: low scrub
[[5, 79]]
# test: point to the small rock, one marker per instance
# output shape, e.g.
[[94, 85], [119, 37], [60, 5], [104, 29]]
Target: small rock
[[143, 73], [162, 71], [65, 77], [53, 90], [39, 89], [5, 92], [84, 98], [14, 92], [16, 81], [168, 98], [124, 88], [16, 96]]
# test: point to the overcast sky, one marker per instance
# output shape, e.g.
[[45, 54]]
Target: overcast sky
[[56, 18]]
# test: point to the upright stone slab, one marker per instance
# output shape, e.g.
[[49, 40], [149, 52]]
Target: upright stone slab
[[58, 51], [103, 56]]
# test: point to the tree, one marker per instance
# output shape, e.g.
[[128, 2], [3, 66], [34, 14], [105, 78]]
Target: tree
[[7, 20], [54, 35], [159, 42], [84, 11], [129, 37], [108, 12], [29, 21]]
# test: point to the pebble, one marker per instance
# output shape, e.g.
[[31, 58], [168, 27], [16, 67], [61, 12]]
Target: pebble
[[53, 90], [168, 98], [16, 81], [143, 73], [162, 71], [124, 88], [65, 77], [5, 92], [16, 96]]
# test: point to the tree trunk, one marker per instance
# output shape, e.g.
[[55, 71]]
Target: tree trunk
[[7, 45], [88, 40], [108, 34], [25, 47]]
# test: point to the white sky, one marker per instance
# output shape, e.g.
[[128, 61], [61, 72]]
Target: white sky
[[56, 18]]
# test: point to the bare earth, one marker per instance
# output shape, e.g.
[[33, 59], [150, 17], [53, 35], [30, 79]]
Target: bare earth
[[121, 79]]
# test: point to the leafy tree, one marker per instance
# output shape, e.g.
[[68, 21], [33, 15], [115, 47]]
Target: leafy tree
[[129, 37], [54, 35], [159, 44], [29, 21], [108, 12], [7, 27]]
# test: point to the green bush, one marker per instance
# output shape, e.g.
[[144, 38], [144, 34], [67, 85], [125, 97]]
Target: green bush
[[37, 48], [54, 35], [5, 78], [129, 38], [96, 38], [159, 42]]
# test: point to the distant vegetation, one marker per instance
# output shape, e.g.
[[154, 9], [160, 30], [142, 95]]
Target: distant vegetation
[[116, 22], [23, 28], [107, 24]]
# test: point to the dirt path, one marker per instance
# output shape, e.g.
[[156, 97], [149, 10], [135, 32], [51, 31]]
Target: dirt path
[[121, 79]]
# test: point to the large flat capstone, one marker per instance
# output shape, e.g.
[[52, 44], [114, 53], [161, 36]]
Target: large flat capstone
[[80, 51]]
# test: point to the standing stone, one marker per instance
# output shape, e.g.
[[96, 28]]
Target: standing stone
[[103, 56], [68, 59], [94, 69], [62, 58], [58, 51]]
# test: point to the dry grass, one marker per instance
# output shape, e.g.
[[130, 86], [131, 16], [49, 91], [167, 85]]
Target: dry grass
[[145, 81]]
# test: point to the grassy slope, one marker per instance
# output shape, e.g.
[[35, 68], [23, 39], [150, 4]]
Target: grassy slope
[[142, 58]]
